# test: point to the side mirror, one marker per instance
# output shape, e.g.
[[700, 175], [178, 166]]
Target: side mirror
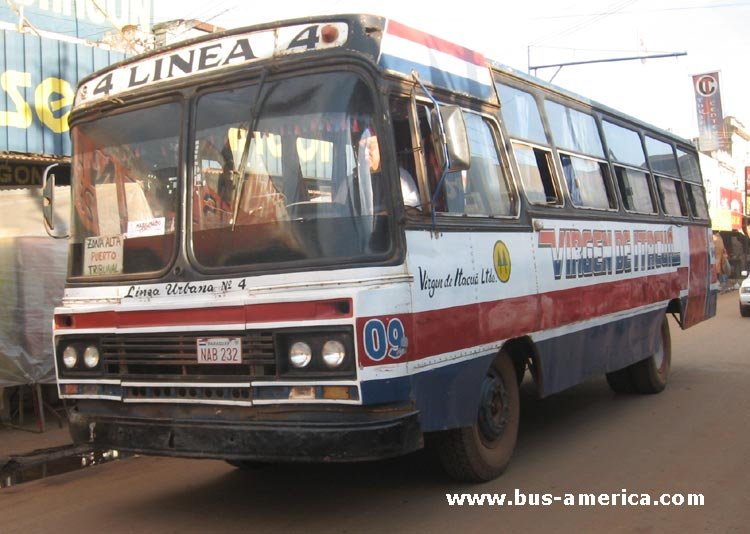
[[48, 203], [450, 138], [744, 273]]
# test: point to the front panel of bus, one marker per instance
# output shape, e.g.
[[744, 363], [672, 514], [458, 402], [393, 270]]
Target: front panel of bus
[[226, 235]]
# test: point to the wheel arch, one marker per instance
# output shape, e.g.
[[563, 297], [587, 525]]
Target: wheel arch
[[524, 354], [677, 309]]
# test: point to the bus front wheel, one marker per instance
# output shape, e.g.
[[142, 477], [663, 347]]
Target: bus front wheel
[[482, 451]]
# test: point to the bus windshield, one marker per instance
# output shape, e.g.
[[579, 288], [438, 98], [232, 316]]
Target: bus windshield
[[125, 192], [311, 186]]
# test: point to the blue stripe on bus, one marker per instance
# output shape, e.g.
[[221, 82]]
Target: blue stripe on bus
[[440, 78], [448, 397], [570, 359]]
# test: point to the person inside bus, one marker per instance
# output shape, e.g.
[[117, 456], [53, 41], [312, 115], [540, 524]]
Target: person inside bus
[[369, 149]]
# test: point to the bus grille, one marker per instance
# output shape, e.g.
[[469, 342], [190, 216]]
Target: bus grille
[[174, 357]]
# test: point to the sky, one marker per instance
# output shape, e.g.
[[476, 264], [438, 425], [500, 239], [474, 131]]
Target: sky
[[714, 34]]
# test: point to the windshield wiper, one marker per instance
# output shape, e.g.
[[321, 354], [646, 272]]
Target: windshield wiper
[[239, 175]]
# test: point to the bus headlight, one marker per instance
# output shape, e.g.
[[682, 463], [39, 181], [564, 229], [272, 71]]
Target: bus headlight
[[300, 355], [91, 356], [70, 357], [333, 353]]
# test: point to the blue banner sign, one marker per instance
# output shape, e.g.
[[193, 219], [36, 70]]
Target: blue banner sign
[[83, 19], [708, 109], [38, 78]]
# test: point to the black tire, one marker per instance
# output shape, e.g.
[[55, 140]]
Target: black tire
[[482, 451], [520, 368], [744, 310], [247, 465], [651, 375], [621, 381]]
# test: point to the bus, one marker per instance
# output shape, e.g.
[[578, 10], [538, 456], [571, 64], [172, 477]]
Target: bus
[[336, 238]]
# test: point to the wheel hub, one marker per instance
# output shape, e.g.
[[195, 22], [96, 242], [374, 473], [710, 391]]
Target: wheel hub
[[493, 407]]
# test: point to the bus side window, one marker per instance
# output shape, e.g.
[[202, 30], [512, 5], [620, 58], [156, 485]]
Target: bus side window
[[581, 153], [486, 187], [587, 181], [405, 154], [483, 189], [697, 201], [672, 196], [663, 162], [634, 189], [535, 169], [530, 146]]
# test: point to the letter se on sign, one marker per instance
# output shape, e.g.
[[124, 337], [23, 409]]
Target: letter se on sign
[[51, 96]]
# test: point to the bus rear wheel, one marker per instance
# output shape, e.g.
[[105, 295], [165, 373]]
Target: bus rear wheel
[[482, 451], [649, 375]]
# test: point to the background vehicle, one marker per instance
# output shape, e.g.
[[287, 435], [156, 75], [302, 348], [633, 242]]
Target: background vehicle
[[745, 295]]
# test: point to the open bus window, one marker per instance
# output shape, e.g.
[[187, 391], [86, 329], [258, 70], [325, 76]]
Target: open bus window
[[309, 190], [406, 154], [126, 192], [535, 168], [481, 190]]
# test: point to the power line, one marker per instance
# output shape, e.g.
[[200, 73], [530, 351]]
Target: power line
[[613, 9], [645, 10]]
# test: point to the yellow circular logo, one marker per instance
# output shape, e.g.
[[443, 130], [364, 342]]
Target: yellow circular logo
[[501, 258]]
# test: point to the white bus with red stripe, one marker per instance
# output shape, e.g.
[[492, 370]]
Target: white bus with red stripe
[[252, 277]]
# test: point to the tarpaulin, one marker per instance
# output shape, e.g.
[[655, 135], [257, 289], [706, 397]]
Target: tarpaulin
[[32, 277]]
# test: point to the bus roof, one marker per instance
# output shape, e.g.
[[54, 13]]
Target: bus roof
[[528, 79], [395, 47]]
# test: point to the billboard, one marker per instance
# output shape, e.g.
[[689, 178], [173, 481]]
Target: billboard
[[710, 114], [729, 214], [38, 77], [82, 19]]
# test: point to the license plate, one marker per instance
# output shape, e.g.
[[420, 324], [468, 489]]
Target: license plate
[[219, 350]]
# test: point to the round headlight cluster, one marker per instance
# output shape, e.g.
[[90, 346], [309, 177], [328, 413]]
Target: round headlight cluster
[[70, 357], [90, 357], [300, 355], [333, 354]]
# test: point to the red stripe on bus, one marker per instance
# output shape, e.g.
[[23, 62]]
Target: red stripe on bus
[[699, 278], [254, 313], [453, 329], [436, 43]]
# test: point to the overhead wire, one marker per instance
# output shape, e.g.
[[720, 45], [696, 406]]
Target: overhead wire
[[644, 10], [613, 9]]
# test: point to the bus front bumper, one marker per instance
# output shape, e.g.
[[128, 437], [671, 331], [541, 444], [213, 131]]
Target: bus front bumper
[[328, 437]]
